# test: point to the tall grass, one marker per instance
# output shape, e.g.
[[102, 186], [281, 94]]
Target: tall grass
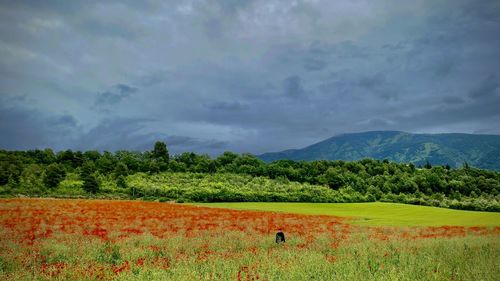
[[236, 256], [42, 239]]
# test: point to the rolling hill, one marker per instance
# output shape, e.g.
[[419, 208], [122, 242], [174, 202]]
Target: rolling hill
[[454, 149]]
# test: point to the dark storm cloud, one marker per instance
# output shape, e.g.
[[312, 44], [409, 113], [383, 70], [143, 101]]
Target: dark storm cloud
[[112, 134], [250, 76], [115, 95], [26, 129], [130, 133], [452, 100], [445, 115], [378, 85], [187, 144], [488, 87], [23, 127]]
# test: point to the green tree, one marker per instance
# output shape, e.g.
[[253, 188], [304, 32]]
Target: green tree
[[249, 164], [160, 152], [176, 166], [91, 155], [153, 166], [133, 160], [90, 183], [412, 167], [188, 158], [42, 156], [54, 174], [121, 170], [31, 178], [466, 166], [68, 157], [160, 156], [333, 177], [121, 182], [11, 168], [375, 192], [106, 163], [434, 182], [202, 163], [226, 158]]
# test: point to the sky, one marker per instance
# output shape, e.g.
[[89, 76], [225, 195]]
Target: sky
[[246, 76]]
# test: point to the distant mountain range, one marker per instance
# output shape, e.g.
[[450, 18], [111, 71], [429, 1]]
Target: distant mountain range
[[482, 151]]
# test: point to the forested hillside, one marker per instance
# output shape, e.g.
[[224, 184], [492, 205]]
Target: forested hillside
[[482, 151], [232, 177]]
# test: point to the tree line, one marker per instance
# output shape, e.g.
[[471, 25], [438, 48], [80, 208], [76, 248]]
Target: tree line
[[376, 179]]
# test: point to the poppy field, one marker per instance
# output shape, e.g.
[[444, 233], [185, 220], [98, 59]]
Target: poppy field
[[52, 239]]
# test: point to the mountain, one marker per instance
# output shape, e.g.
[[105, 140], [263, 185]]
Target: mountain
[[482, 151]]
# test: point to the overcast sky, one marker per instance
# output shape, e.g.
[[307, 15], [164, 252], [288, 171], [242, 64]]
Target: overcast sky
[[247, 76]]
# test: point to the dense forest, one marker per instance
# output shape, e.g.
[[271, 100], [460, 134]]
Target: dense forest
[[155, 175]]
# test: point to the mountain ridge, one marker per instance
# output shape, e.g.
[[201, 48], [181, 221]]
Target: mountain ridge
[[454, 149]]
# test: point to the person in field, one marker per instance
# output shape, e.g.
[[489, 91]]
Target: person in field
[[280, 237]]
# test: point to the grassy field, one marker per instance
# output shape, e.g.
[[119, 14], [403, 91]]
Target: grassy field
[[376, 214], [54, 239]]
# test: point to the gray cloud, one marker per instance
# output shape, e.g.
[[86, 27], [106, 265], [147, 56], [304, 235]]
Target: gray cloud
[[486, 88], [130, 133], [452, 100], [377, 123], [377, 84], [187, 144], [373, 81], [23, 127], [292, 87], [250, 76], [27, 129], [446, 116], [113, 97], [314, 64], [228, 106]]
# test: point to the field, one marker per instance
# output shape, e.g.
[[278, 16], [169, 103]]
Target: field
[[49, 239], [376, 214]]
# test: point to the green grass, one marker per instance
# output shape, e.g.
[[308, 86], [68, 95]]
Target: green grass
[[376, 214], [198, 244], [357, 258]]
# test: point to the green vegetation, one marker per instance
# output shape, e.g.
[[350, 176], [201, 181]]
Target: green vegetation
[[377, 214], [482, 151], [133, 240], [229, 258], [189, 177]]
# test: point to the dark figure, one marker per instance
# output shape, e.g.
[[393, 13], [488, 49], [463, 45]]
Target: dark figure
[[280, 237]]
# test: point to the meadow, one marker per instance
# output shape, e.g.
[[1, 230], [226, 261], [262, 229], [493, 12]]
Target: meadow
[[54, 239], [375, 213]]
